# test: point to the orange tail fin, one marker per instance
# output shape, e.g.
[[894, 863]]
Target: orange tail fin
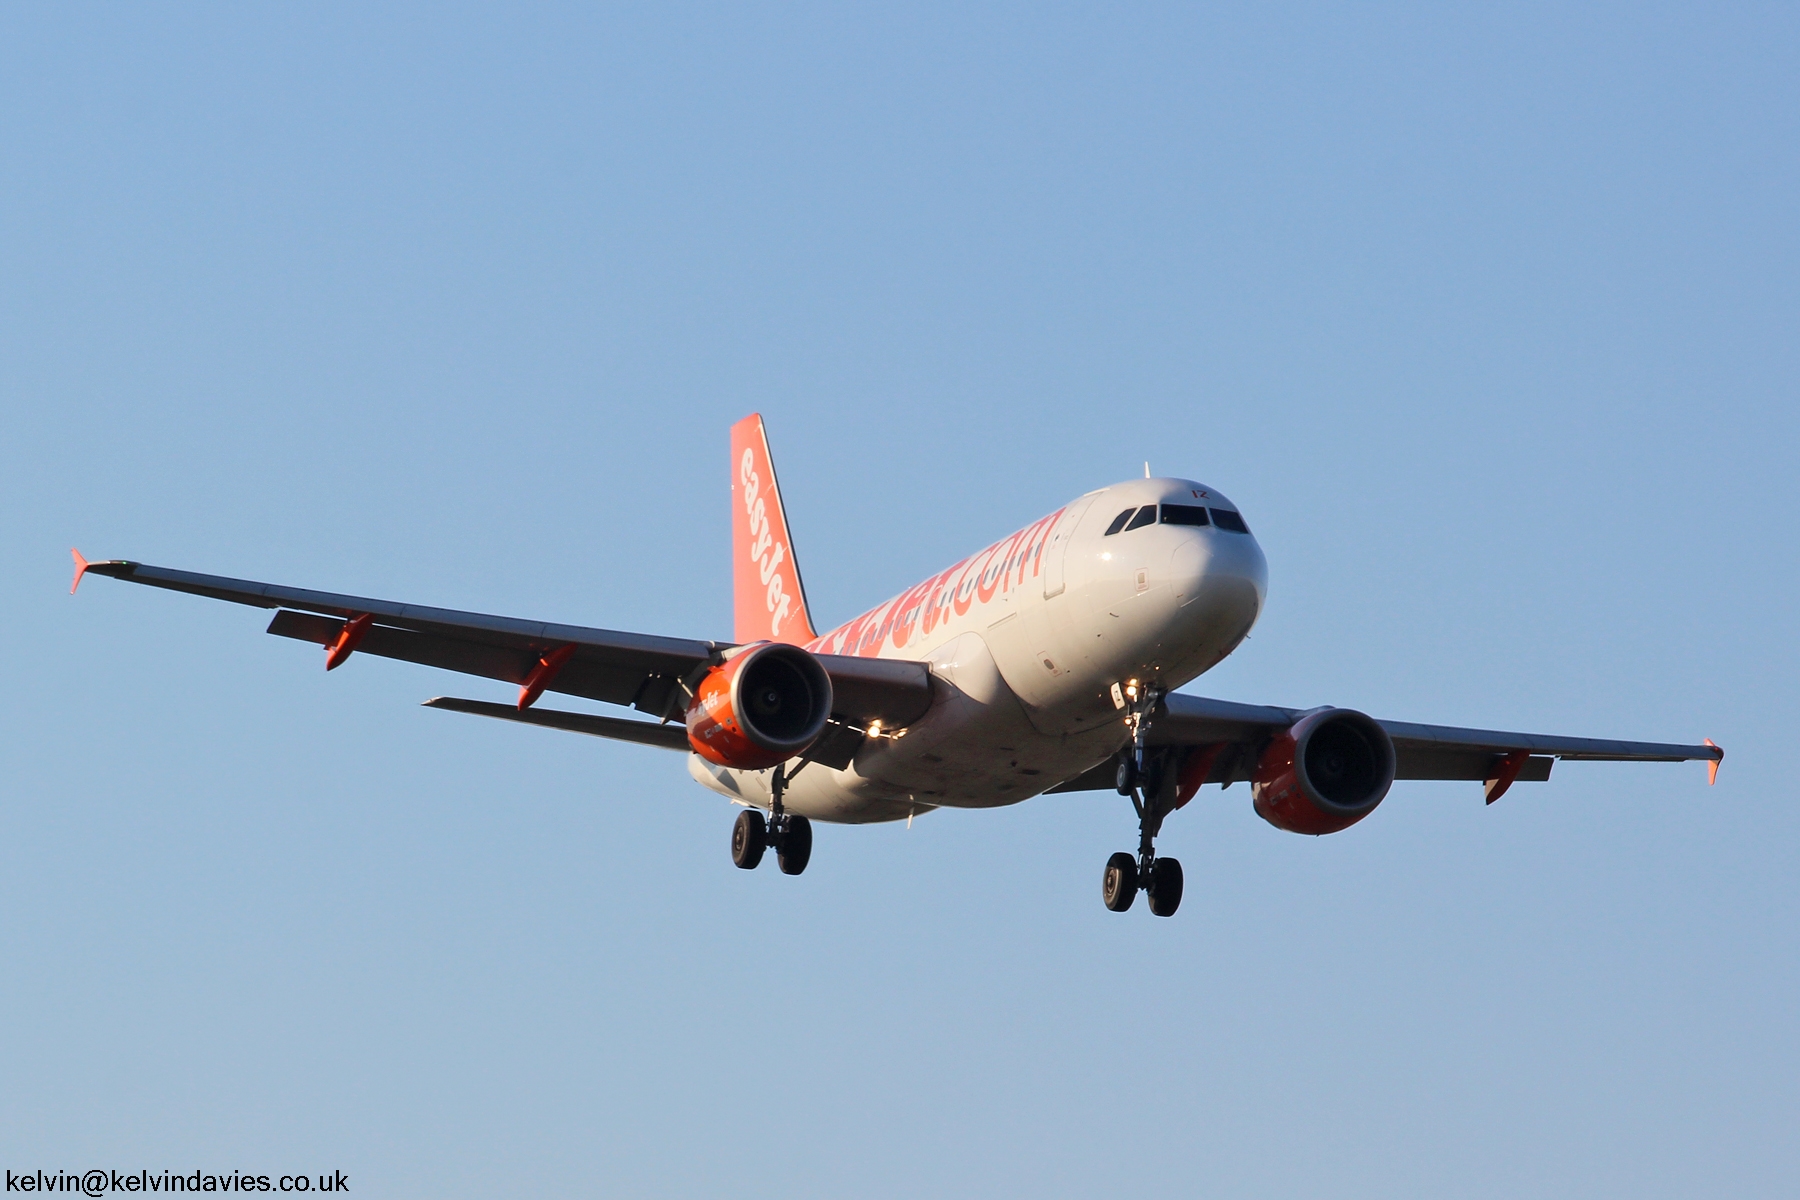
[[768, 599]]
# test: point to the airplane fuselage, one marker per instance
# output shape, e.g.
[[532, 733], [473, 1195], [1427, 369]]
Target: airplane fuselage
[[1028, 642]]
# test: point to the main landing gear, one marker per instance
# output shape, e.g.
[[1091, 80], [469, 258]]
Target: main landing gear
[[789, 833], [1145, 777]]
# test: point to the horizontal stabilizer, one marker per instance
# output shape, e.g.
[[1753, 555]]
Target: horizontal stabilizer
[[645, 733]]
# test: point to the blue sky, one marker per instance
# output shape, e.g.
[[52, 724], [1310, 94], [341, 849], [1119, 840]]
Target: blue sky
[[1487, 320]]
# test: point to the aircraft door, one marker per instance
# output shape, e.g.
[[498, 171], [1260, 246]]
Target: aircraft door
[[1056, 552]]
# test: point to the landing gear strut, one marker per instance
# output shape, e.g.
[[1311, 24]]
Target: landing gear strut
[[1145, 777], [789, 833]]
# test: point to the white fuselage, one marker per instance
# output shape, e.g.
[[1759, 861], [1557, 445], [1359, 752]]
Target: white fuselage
[[1026, 641]]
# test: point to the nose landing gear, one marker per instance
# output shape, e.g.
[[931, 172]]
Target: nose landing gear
[[1144, 776], [789, 833]]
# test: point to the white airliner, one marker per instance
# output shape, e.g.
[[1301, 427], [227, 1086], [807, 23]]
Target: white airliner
[[1046, 662]]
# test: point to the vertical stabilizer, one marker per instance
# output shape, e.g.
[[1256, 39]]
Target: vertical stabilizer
[[769, 602]]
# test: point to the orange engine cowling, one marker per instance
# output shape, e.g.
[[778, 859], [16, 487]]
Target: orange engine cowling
[[760, 707], [1325, 774]]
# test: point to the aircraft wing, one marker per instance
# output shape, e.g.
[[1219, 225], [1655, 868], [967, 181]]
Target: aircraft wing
[[649, 673], [1420, 751]]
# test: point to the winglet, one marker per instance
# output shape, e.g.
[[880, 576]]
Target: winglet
[[1712, 765], [81, 566]]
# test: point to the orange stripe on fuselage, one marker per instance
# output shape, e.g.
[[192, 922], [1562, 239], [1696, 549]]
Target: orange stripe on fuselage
[[961, 587]]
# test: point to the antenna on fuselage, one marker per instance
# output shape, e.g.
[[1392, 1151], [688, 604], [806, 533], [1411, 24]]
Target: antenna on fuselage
[[1146, 470]]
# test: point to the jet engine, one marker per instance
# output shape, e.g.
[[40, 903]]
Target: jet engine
[[1326, 773], [762, 706]]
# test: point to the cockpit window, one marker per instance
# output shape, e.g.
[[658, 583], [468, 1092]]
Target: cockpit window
[[1146, 516], [1224, 518], [1184, 514], [1119, 522]]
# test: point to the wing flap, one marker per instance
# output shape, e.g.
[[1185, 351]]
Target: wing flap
[[836, 747], [587, 674], [895, 691], [385, 641], [1440, 762], [645, 733], [1198, 721]]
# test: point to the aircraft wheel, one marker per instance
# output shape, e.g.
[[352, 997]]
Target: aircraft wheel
[[795, 847], [1164, 887], [749, 836], [1118, 887], [1125, 779]]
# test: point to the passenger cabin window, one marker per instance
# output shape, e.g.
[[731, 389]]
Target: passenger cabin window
[[1146, 516], [1224, 518], [1184, 514], [1118, 522]]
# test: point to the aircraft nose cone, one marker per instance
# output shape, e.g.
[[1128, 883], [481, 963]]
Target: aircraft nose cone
[[1222, 575]]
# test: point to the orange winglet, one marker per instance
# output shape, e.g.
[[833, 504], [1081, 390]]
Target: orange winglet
[[1506, 770], [542, 675], [81, 566], [348, 639], [1712, 765]]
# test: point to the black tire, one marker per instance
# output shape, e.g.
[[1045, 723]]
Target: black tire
[[1164, 889], [795, 848], [1126, 778], [1118, 887], [749, 837]]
